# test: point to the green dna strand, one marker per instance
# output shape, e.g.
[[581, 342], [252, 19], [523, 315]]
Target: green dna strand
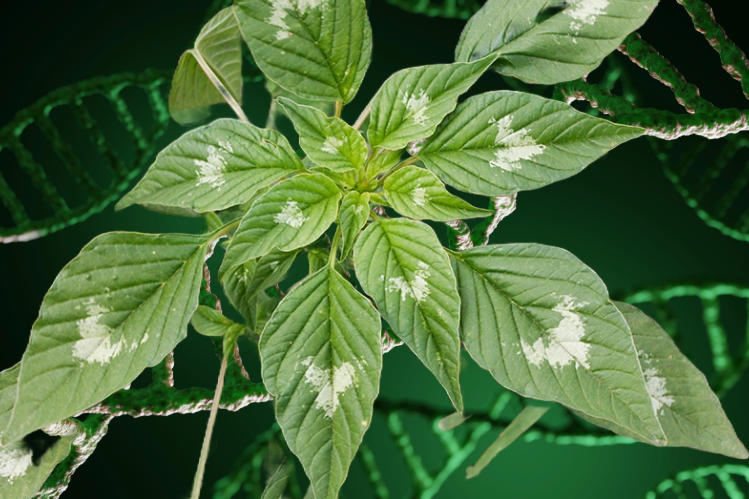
[[25, 227], [709, 482]]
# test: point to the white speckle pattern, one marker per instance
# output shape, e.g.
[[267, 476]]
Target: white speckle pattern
[[417, 288], [15, 459], [656, 387], [212, 169], [331, 145], [291, 215], [585, 12], [329, 386], [419, 195], [416, 106], [280, 11], [564, 341], [513, 145], [96, 343]]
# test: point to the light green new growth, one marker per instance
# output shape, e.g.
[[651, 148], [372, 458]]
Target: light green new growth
[[537, 318]]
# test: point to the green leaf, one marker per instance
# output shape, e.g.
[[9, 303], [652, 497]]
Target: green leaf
[[417, 193], [120, 306], [380, 161], [277, 481], [452, 421], [328, 142], [321, 359], [317, 49], [412, 102], [266, 305], [210, 322], [522, 422], [218, 47], [8, 385], [686, 407], [503, 142], [317, 258], [214, 167], [540, 48], [20, 476], [353, 215], [402, 266], [293, 214], [541, 322], [246, 281]]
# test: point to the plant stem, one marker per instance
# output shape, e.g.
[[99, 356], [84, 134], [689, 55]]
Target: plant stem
[[222, 231], [338, 108], [399, 166], [209, 432], [363, 116], [334, 246], [213, 221]]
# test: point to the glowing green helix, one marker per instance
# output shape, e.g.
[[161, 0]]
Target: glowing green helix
[[723, 475]]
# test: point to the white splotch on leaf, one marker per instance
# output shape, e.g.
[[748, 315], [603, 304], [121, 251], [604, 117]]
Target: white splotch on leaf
[[291, 215], [328, 384], [96, 343], [15, 460], [656, 387], [417, 288], [211, 170], [416, 106], [585, 12], [419, 195], [512, 146], [331, 145]]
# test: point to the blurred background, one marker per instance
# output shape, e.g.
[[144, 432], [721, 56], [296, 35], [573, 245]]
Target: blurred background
[[622, 216]]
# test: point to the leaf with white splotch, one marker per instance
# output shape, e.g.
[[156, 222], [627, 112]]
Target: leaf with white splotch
[[244, 282], [8, 383], [412, 102], [541, 41], [291, 215], [218, 46], [214, 167], [353, 215], [321, 360], [541, 322], [316, 49], [328, 142], [503, 142], [20, 476], [417, 193], [402, 266], [120, 306], [688, 410]]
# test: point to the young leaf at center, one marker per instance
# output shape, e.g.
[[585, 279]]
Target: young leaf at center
[[353, 215], [321, 359], [400, 263]]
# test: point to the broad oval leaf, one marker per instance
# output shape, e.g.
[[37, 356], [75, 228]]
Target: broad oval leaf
[[417, 193], [328, 142], [291, 215], [402, 266], [317, 49], [353, 215], [541, 322], [503, 142], [8, 385], [214, 167], [321, 359], [120, 306], [244, 282], [218, 46], [412, 102], [687, 409], [22, 473], [547, 42]]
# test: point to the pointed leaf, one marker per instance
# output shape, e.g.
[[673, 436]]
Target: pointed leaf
[[219, 47], [328, 142], [402, 266], [214, 167], [8, 385], [293, 214], [412, 102], [210, 322], [244, 282], [452, 421], [522, 422], [417, 193], [20, 476], [541, 322], [120, 306], [503, 142], [545, 42], [317, 49], [688, 410], [352, 217], [277, 481], [321, 359]]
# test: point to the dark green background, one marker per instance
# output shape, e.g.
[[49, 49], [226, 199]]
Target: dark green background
[[621, 216]]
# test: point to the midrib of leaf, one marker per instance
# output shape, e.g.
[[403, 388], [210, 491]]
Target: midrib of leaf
[[577, 364], [311, 38]]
